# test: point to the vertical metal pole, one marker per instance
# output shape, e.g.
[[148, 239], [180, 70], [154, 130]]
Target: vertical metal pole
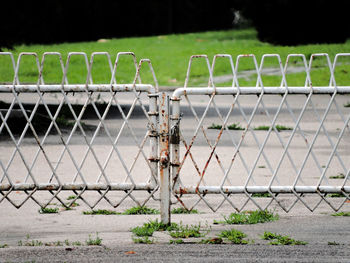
[[164, 167], [175, 142], [153, 158]]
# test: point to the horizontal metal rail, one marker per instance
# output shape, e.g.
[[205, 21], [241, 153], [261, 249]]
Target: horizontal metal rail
[[75, 186], [54, 88], [257, 90], [263, 189]]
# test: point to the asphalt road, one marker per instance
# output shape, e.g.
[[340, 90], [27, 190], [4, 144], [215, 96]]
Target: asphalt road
[[181, 253]]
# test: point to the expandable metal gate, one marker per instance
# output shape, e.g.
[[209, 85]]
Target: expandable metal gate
[[170, 150]]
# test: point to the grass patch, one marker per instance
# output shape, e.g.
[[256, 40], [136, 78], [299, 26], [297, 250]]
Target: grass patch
[[187, 231], [264, 195], [54, 244], [147, 229], [170, 54], [214, 240], [278, 128], [341, 214], [97, 241], [143, 231], [250, 217], [30, 243], [336, 195], [338, 176], [71, 197], [159, 226], [215, 126], [347, 105], [63, 243], [101, 212], [234, 126], [37, 243], [234, 236], [3, 246], [182, 210], [141, 210], [48, 210], [281, 240], [142, 240], [176, 241], [333, 243], [76, 243]]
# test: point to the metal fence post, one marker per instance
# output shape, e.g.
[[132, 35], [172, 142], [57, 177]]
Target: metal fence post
[[164, 167], [153, 158]]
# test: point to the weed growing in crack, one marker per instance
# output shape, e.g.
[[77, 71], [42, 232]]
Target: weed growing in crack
[[214, 240], [264, 195], [147, 229], [30, 243], [48, 210], [101, 212], [176, 241], [142, 240], [336, 195], [278, 128], [36, 243], [182, 210], [187, 231], [71, 197], [159, 226], [277, 239], [137, 210], [338, 176], [250, 217], [341, 214], [97, 241], [234, 236], [141, 210], [233, 126], [143, 231], [333, 243], [176, 231]]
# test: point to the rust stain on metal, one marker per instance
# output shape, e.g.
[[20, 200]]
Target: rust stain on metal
[[188, 152], [183, 191], [50, 187], [175, 178], [164, 155], [211, 154]]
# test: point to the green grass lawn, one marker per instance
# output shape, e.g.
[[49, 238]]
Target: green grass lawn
[[170, 55]]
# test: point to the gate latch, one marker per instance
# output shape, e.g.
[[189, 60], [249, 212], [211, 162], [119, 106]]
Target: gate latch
[[175, 132]]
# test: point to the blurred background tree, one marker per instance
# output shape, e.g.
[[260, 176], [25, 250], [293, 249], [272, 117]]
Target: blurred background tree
[[285, 22]]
